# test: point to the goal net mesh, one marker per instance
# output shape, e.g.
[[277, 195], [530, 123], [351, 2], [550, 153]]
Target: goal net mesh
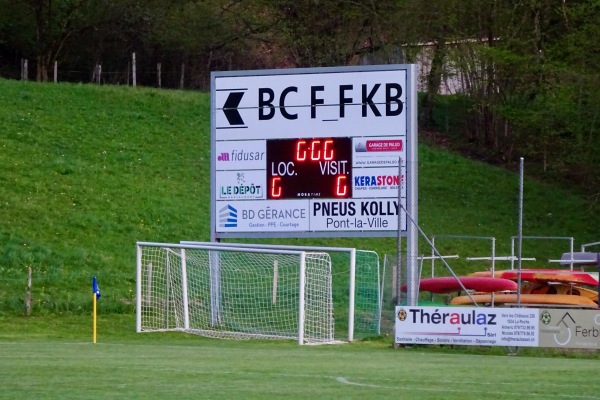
[[225, 293]]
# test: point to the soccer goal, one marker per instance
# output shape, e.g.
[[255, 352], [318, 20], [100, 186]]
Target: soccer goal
[[235, 292], [356, 287]]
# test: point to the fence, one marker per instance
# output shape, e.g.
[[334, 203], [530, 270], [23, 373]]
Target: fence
[[164, 75]]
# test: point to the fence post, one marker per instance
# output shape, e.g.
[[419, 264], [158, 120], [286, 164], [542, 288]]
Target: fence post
[[182, 75], [28, 293], [98, 74], [133, 70], [24, 69], [158, 73], [55, 71]]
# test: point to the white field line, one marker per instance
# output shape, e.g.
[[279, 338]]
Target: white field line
[[410, 384], [447, 389]]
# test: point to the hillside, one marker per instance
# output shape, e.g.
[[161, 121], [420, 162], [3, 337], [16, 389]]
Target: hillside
[[89, 170]]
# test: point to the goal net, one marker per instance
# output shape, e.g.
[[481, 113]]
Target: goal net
[[356, 286], [229, 292]]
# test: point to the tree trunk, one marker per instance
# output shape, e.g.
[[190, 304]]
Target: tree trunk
[[434, 80], [42, 69]]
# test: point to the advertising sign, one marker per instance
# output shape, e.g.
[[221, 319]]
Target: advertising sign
[[323, 142], [570, 328], [469, 326], [515, 327]]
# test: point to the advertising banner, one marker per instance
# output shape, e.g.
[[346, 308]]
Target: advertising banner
[[467, 326], [515, 327], [569, 328]]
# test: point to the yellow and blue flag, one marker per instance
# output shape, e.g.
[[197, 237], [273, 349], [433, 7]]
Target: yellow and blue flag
[[95, 288]]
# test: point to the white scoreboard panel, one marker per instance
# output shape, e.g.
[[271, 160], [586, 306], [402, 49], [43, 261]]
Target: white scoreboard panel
[[313, 152]]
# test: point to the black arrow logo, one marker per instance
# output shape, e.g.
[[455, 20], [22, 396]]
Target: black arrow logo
[[230, 108]]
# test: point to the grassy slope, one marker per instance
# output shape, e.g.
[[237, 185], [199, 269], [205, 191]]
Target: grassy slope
[[87, 171]]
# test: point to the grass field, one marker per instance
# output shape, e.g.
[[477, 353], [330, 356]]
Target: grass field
[[60, 362]]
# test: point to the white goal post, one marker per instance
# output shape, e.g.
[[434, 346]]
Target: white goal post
[[234, 292], [361, 300]]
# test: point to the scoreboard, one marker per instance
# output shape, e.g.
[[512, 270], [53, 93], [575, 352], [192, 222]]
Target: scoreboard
[[313, 152], [309, 168]]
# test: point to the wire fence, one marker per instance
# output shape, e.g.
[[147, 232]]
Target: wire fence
[[169, 75]]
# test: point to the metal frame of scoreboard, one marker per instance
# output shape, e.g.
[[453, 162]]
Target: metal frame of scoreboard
[[314, 152]]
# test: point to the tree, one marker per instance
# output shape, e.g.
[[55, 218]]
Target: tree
[[313, 33], [54, 22]]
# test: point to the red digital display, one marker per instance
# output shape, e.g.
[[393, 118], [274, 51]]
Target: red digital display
[[309, 168]]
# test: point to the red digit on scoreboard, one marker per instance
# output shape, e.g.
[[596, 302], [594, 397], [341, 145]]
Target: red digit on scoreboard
[[315, 150], [341, 188], [276, 187], [328, 150], [300, 150]]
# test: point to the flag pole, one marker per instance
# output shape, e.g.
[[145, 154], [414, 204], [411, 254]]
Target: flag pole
[[94, 313], [95, 296]]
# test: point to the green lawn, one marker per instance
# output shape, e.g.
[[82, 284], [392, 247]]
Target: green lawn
[[55, 358]]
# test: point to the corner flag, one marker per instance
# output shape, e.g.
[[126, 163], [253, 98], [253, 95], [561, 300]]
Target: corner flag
[[95, 288], [95, 295]]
